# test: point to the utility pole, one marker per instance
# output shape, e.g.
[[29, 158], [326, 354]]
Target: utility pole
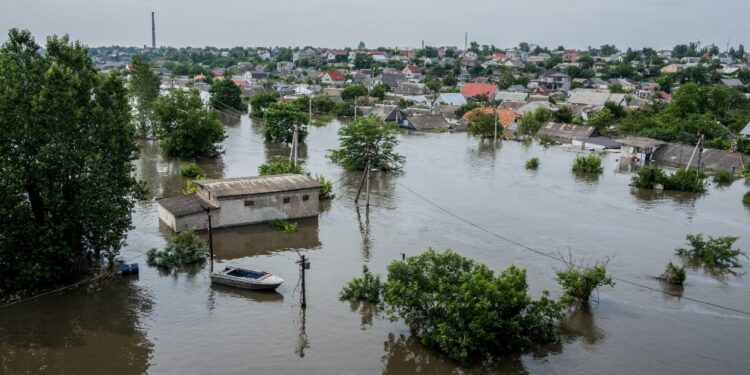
[[153, 31], [210, 237], [295, 143], [304, 264], [364, 176], [355, 108], [495, 138]]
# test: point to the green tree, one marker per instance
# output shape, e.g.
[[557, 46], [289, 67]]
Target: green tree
[[226, 95], [143, 87], [461, 308], [483, 124], [279, 122], [185, 128], [379, 90], [279, 167], [353, 91], [579, 282], [259, 103], [367, 136], [66, 150]]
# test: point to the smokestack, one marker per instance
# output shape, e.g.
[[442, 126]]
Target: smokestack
[[153, 31]]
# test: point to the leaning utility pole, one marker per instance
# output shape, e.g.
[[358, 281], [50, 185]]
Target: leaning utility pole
[[365, 176], [153, 31]]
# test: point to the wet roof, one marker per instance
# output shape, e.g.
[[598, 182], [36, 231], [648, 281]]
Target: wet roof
[[567, 131], [257, 185], [679, 155], [641, 142], [183, 205]]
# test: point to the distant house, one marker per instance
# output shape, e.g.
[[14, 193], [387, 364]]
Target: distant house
[[510, 96], [337, 56], [469, 90], [333, 77], [639, 150], [567, 132], [732, 82], [424, 122], [242, 200], [555, 80], [506, 118], [392, 79], [532, 107], [305, 54], [379, 56], [498, 57], [672, 68], [284, 67], [451, 99], [412, 72], [387, 113], [412, 88], [570, 56], [594, 97]]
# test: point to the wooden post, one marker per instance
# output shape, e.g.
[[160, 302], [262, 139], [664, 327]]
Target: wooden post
[[367, 183], [210, 238], [362, 181], [304, 294]]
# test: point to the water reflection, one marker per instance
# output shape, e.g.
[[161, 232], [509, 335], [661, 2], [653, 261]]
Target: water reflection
[[717, 271], [93, 331], [302, 341], [580, 323], [261, 239], [251, 295], [364, 230], [367, 311], [276, 152]]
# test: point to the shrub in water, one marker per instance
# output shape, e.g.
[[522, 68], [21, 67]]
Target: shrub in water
[[365, 288], [284, 225], [532, 163], [714, 252], [326, 187], [279, 167], [182, 250], [746, 198], [648, 177], [723, 178], [673, 274], [588, 164], [689, 181], [579, 281], [191, 170]]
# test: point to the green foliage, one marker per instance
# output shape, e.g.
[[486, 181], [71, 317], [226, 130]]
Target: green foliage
[[280, 120], [462, 110], [746, 198], [714, 252], [182, 250], [184, 127], [191, 170], [530, 123], [689, 181], [366, 288], [259, 103], [67, 146], [326, 187], [285, 226], [588, 164], [143, 87], [379, 90], [191, 187], [483, 124], [673, 274], [532, 164], [367, 135], [353, 91], [616, 88], [225, 94], [462, 309], [723, 178], [279, 167], [579, 282]]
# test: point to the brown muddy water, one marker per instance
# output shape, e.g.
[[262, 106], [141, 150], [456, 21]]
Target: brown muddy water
[[164, 324]]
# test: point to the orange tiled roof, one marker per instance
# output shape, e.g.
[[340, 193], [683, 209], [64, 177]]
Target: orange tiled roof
[[504, 116]]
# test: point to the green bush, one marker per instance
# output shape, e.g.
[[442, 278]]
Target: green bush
[[366, 288], [714, 252], [284, 225], [191, 170], [681, 180], [461, 308], [182, 250], [546, 140], [326, 187], [588, 164], [532, 163], [648, 177], [578, 282], [746, 198], [673, 274], [723, 178], [279, 167]]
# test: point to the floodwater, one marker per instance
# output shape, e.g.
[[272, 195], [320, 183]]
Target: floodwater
[[178, 323]]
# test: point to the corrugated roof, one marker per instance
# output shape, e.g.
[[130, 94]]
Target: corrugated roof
[[452, 98], [594, 97], [257, 185], [511, 96], [641, 142], [567, 131], [428, 122], [183, 205], [679, 155], [533, 106]]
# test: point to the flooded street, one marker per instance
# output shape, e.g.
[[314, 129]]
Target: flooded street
[[454, 192]]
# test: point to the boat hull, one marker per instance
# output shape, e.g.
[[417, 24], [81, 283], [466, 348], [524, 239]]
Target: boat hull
[[267, 282]]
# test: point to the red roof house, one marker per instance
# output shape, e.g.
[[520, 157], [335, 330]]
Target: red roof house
[[469, 90]]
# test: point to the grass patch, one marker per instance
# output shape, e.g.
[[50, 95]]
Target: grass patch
[[588, 164], [723, 178], [712, 252], [366, 288], [285, 226], [182, 250], [532, 164]]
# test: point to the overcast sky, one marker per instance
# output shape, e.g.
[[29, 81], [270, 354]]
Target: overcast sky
[[401, 23]]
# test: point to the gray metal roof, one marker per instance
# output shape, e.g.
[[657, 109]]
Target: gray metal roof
[[567, 131], [601, 141], [678, 155], [511, 96], [428, 122], [594, 97], [183, 205], [257, 185], [452, 98], [641, 142]]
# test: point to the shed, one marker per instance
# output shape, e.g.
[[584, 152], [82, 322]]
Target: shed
[[567, 131], [677, 155], [241, 201], [425, 122], [639, 149], [597, 143]]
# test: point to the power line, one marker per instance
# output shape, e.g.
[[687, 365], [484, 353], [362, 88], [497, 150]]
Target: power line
[[559, 259]]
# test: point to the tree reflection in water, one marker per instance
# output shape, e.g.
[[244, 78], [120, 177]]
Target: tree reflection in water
[[98, 330], [367, 311]]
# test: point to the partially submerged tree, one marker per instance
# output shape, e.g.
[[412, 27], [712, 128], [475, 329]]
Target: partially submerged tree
[[366, 288], [588, 164], [367, 136], [259, 103], [182, 250], [226, 95], [580, 280], [143, 87], [185, 128], [673, 274], [66, 150], [280, 120], [279, 167], [483, 124], [712, 252]]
